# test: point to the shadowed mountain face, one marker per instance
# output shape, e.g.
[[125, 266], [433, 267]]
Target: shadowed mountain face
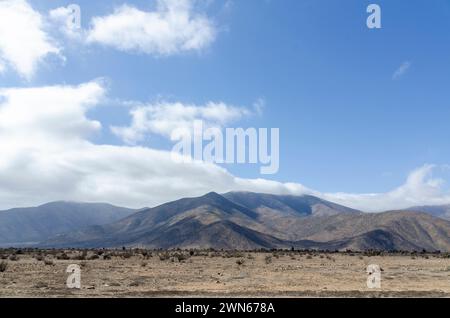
[[27, 225], [250, 221]]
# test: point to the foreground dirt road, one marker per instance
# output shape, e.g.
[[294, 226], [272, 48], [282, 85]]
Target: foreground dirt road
[[210, 274]]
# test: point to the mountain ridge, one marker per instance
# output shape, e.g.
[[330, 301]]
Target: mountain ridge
[[251, 221], [441, 211], [21, 226]]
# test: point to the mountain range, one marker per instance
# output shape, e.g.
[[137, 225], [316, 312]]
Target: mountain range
[[243, 220], [22, 226]]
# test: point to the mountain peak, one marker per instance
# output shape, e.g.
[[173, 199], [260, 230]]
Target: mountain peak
[[212, 195]]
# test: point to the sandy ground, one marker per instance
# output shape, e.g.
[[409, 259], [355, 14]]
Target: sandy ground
[[211, 274]]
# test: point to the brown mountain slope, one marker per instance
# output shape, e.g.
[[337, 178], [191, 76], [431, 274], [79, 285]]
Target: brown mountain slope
[[408, 229]]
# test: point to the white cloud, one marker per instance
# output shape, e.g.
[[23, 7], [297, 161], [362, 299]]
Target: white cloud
[[164, 118], [23, 41], [69, 21], [46, 155], [173, 27], [420, 188], [259, 106], [49, 112], [403, 68]]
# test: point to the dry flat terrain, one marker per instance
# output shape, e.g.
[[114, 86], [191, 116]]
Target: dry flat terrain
[[142, 273]]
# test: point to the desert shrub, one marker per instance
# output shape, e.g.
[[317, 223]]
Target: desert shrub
[[3, 266], [4, 256], [39, 257], [240, 262], [164, 256], [309, 257], [49, 262], [201, 253], [82, 256], [127, 255], [41, 285], [370, 253], [62, 256], [52, 252], [234, 254], [268, 259], [181, 257], [13, 257], [93, 257], [106, 257]]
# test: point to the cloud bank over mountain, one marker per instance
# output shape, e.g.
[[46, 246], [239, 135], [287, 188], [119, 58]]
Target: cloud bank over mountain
[[48, 155]]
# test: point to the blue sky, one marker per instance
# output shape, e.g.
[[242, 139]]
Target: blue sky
[[347, 123]]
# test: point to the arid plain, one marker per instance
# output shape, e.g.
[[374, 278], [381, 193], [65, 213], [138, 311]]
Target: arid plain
[[141, 273]]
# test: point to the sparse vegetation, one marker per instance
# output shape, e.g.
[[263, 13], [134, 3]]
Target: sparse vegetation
[[62, 256], [127, 255], [135, 269], [40, 285], [93, 257], [82, 256], [49, 262], [3, 266], [240, 262], [164, 256], [181, 257]]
